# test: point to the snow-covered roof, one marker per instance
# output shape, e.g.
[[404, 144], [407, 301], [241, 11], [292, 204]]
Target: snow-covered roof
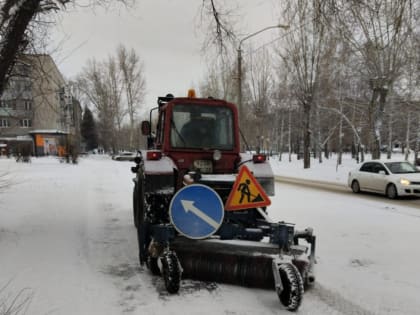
[[17, 138], [57, 131]]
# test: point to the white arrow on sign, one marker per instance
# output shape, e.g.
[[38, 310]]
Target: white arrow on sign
[[188, 206]]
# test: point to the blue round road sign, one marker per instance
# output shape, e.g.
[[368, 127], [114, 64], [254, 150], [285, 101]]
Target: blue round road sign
[[196, 211]]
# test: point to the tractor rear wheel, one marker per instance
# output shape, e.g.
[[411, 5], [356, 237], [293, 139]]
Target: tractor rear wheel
[[171, 270], [135, 206], [143, 230], [292, 293]]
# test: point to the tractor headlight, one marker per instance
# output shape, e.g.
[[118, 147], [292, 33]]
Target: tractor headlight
[[217, 155], [404, 182]]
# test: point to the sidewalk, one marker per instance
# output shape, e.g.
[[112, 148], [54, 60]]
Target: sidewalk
[[327, 172]]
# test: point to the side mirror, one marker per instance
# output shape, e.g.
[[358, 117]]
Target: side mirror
[[382, 172], [145, 127]]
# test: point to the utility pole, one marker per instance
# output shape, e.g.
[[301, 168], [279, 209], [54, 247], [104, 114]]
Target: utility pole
[[240, 105]]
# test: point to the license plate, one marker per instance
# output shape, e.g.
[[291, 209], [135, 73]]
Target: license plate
[[205, 166]]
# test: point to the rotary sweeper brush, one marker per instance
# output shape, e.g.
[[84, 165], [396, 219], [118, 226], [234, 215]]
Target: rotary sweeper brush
[[200, 205]]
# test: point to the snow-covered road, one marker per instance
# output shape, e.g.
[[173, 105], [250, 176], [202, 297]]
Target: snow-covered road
[[66, 234], [367, 249]]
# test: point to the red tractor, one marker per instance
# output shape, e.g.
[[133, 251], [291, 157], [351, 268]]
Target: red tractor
[[188, 182]]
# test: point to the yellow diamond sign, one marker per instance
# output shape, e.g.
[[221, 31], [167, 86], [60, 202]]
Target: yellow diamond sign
[[246, 192]]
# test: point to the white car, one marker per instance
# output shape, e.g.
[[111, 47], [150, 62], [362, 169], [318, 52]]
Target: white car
[[390, 178], [124, 156]]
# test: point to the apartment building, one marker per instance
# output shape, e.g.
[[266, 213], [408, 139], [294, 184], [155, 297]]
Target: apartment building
[[37, 110]]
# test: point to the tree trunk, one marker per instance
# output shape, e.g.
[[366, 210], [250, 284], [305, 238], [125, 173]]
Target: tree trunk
[[13, 37], [355, 146], [131, 115], [417, 145], [340, 138], [319, 136], [289, 140], [326, 150], [306, 136], [280, 147], [407, 137], [376, 118], [390, 130], [375, 141]]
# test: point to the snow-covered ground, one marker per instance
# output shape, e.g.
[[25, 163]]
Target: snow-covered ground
[[327, 171], [67, 243]]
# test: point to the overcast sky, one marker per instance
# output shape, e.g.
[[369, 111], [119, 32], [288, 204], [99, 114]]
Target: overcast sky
[[165, 34]]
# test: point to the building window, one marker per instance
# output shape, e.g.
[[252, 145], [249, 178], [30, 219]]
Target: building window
[[28, 105], [26, 123], [5, 104], [21, 70], [28, 85], [4, 123], [8, 104]]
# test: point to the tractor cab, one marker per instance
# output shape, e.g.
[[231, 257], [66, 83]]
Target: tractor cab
[[197, 134]]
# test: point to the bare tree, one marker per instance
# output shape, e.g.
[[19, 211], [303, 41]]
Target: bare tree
[[378, 32], [219, 81], [113, 84], [92, 83], [134, 85], [115, 88], [15, 17], [17, 303], [305, 47], [281, 100], [16, 20], [260, 88], [218, 17]]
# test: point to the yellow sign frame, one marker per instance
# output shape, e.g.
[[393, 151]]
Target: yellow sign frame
[[245, 186]]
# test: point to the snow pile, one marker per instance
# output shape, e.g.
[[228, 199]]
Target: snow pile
[[327, 171]]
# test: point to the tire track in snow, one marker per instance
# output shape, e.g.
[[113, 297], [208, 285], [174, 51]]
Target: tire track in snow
[[337, 301]]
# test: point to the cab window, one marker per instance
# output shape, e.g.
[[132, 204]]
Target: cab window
[[160, 130], [202, 127]]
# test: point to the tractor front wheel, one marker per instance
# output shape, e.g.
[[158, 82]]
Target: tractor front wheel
[[292, 293], [171, 271]]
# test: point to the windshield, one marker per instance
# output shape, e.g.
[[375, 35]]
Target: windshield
[[202, 127], [401, 167]]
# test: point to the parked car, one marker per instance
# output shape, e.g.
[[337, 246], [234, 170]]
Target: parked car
[[124, 156], [390, 178]]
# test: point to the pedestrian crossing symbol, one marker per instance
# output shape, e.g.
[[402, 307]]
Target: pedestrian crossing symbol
[[246, 192]]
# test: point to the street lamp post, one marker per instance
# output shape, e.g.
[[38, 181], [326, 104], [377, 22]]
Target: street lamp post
[[240, 107]]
